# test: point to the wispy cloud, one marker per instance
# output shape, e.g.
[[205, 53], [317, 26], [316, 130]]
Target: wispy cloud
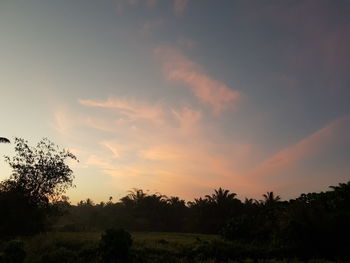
[[180, 154], [178, 67], [155, 145], [275, 171], [311, 145], [131, 109]]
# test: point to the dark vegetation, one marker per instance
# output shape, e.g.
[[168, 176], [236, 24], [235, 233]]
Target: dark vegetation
[[314, 225]]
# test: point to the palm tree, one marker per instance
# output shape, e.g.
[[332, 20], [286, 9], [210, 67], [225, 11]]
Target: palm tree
[[4, 140], [221, 196], [137, 194], [270, 198], [250, 201]]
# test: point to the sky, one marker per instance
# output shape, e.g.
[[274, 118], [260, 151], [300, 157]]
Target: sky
[[181, 97]]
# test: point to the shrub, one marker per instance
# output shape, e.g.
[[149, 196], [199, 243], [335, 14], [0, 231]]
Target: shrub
[[13, 252], [115, 246]]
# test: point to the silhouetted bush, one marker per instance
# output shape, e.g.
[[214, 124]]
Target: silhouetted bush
[[115, 246], [13, 252], [19, 216]]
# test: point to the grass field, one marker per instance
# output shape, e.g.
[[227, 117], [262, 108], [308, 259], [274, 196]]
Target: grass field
[[149, 246], [138, 237], [155, 241]]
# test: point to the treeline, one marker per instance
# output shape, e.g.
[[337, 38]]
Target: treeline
[[312, 225]]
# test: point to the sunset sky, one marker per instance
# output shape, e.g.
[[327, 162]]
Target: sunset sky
[[181, 96]]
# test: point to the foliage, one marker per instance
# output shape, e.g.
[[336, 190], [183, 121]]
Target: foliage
[[40, 176], [115, 246], [147, 248], [312, 225], [13, 252], [19, 216], [41, 172]]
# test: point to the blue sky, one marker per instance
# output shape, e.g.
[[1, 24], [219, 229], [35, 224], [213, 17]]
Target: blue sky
[[182, 96]]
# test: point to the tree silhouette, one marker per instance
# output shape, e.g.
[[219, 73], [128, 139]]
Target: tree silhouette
[[221, 196], [41, 172], [135, 195], [270, 198]]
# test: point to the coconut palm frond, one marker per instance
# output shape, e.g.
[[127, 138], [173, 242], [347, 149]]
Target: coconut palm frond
[[4, 140]]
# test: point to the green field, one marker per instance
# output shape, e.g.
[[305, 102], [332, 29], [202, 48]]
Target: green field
[[153, 247]]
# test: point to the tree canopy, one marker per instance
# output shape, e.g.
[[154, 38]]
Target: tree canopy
[[41, 172]]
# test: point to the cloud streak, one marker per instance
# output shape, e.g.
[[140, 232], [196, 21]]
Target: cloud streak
[[289, 168], [128, 108], [309, 146], [212, 92]]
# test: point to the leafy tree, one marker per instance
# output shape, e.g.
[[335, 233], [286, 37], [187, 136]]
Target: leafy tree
[[40, 175], [41, 172]]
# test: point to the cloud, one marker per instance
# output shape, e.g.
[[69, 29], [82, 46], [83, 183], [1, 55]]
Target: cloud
[[309, 146], [180, 6], [178, 150], [188, 119], [290, 170], [208, 90], [130, 109], [153, 146], [130, 115]]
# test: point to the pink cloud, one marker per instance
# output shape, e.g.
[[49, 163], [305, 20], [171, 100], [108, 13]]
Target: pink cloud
[[165, 155], [208, 90], [129, 108], [280, 171], [178, 151], [188, 119], [180, 6], [309, 146]]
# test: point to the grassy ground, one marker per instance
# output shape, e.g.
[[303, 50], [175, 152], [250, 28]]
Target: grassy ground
[[145, 238], [153, 241], [159, 247]]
